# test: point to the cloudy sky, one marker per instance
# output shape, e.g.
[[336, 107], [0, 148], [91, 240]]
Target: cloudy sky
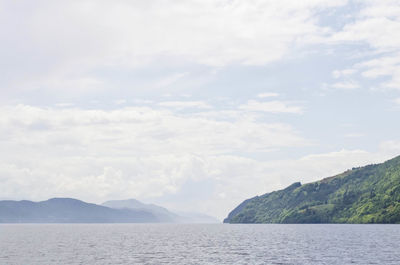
[[195, 105]]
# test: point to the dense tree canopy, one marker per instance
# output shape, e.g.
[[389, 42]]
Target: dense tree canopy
[[369, 194]]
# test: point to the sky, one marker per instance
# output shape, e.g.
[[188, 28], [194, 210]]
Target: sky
[[194, 105]]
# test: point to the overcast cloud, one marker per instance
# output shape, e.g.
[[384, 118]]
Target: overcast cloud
[[193, 104]]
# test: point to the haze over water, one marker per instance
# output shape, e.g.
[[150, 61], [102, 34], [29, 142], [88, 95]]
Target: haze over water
[[198, 244]]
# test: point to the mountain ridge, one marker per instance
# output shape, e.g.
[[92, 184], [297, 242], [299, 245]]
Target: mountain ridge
[[369, 194], [70, 210], [67, 210], [161, 213]]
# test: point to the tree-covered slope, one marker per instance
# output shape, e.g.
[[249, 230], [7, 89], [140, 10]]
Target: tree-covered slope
[[369, 194]]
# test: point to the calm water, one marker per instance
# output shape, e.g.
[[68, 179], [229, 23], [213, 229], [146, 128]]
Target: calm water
[[198, 244]]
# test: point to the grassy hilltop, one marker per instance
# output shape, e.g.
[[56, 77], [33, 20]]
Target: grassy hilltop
[[369, 194]]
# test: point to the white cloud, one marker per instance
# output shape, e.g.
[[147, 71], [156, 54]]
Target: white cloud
[[383, 66], [86, 36], [185, 104], [128, 152], [397, 101], [379, 29], [348, 85], [344, 72], [150, 153], [271, 106], [377, 25], [157, 150], [267, 95]]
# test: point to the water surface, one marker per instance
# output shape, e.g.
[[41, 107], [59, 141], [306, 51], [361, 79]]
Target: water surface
[[198, 244]]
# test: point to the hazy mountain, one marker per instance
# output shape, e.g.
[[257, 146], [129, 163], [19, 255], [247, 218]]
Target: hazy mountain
[[369, 194], [66, 210], [161, 213], [189, 217]]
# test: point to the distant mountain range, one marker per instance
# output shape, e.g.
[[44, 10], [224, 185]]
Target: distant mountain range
[[68, 210], [369, 194], [161, 213]]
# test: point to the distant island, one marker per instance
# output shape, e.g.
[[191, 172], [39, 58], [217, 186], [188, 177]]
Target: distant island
[[69, 210], [369, 194]]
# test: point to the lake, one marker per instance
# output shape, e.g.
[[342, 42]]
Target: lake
[[199, 244]]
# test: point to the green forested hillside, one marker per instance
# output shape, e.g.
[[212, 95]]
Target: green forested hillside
[[369, 194]]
